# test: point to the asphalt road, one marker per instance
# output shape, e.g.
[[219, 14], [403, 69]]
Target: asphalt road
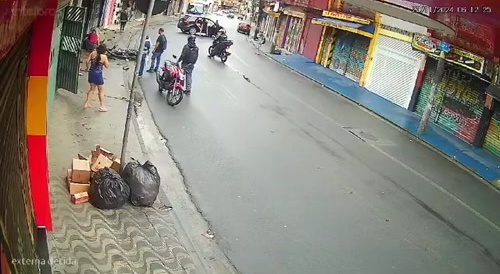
[[288, 189]]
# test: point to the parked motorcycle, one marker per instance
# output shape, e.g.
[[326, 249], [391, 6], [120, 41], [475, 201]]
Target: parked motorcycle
[[171, 79], [224, 52]]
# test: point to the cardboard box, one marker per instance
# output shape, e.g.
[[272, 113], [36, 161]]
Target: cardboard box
[[81, 171], [100, 150], [116, 166], [101, 162], [76, 187], [80, 198]]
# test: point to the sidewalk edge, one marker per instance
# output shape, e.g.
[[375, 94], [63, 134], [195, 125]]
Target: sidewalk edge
[[190, 224], [494, 185]]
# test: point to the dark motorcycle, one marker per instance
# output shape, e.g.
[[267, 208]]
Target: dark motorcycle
[[224, 52], [171, 79]]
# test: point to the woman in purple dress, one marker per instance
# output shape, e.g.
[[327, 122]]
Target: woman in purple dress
[[97, 61]]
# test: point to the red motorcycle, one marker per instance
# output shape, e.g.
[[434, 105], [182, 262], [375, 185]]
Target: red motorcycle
[[171, 79]]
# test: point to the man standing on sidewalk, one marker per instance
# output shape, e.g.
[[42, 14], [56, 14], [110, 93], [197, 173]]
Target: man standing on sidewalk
[[147, 48], [160, 47]]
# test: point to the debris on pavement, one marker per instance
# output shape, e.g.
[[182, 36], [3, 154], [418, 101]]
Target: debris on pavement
[[144, 182], [80, 198], [80, 176], [209, 234], [108, 190], [165, 207]]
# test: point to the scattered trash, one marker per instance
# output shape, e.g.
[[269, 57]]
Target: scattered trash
[[108, 190], [165, 207], [144, 182], [387, 220], [209, 234]]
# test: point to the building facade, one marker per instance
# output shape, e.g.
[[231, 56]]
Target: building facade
[[39, 54], [396, 60]]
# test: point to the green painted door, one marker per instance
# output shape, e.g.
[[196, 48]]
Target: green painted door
[[56, 43]]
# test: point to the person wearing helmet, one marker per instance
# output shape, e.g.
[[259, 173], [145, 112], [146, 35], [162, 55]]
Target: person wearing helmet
[[219, 38], [188, 59]]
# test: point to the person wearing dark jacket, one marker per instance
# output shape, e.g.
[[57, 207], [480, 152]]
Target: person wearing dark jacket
[[188, 59], [123, 15], [218, 43]]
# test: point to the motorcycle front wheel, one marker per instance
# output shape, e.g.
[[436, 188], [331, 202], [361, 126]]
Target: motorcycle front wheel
[[174, 96], [210, 50]]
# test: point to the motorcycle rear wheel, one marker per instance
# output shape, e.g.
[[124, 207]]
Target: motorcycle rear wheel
[[223, 57], [174, 96]]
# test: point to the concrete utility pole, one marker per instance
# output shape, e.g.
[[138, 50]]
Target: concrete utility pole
[[134, 80], [259, 18], [438, 76]]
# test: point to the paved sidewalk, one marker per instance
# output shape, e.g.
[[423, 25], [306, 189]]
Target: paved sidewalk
[[476, 160], [127, 240]]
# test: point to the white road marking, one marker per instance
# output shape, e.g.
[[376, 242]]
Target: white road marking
[[429, 181], [241, 60], [230, 94]]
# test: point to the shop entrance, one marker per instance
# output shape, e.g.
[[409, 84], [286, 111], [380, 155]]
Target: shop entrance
[[349, 54]]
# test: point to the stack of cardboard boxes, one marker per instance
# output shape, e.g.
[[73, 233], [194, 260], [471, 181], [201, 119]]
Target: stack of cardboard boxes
[[80, 175]]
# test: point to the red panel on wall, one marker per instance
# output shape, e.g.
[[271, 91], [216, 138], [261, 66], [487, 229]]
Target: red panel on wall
[[472, 36], [4, 266], [312, 37], [319, 4], [39, 176], [41, 45]]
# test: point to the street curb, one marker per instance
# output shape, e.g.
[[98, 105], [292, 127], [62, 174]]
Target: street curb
[[495, 185], [190, 224]]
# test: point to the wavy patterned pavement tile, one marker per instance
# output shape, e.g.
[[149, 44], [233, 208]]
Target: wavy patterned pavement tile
[[127, 240]]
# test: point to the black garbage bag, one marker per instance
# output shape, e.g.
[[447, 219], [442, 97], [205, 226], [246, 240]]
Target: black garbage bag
[[108, 190], [144, 182]]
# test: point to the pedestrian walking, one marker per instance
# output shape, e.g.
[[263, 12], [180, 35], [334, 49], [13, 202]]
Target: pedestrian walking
[[123, 15], [97, 61], [147, 49], [188, 59], [160, 47]]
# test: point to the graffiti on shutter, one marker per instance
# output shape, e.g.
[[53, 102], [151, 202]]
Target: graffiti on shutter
[[341, 51], [349, 54], [492, 140], [357, 60], [394, 71], [459, 101]]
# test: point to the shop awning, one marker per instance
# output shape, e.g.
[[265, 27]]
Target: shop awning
[[344, 25]]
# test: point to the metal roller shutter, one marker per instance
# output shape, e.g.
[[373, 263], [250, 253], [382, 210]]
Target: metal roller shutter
[[394, 71], [349, 54], [459, 102], [341, 51], [492, 140]]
